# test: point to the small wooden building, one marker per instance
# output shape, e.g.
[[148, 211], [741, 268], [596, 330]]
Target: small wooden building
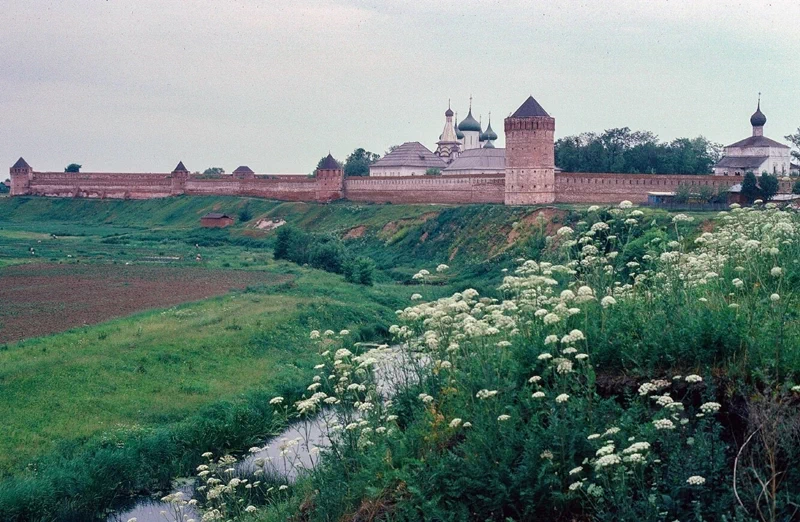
[[216, 220]]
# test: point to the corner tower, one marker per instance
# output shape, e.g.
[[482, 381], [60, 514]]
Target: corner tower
[[530, 156], [21, 174]]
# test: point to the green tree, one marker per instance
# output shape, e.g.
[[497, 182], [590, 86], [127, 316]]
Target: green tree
[[794, 139], [245, 214], [796, 188], [73, 167], [750, 190], [357, 163], [705, 193], [214, 172], [768, 184], [625, 151], [360, 270], [683, 192], [5, 188], [433, 171]]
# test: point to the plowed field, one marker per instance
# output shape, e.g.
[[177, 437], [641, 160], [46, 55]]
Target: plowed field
[[40, 299]]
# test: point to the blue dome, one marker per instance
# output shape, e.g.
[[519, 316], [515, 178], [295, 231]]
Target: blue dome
[[469, 124], [758, 119], [489, 134]]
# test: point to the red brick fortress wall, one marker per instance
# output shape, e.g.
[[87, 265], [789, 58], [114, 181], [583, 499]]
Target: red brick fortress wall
[[590, 187], [327, 186], [100, 185], [455, 189]]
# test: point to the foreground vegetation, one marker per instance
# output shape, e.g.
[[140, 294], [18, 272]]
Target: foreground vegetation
[[644, 372], [157, 390]]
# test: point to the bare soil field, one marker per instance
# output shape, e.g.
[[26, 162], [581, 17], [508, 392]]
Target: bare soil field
[[39, 299]]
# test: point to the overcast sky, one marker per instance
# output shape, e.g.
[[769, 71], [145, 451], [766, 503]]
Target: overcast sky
[[137, 85]]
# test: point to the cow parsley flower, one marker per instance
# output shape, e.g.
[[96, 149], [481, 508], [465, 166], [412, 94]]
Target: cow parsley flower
[[503, 418], [562, 398], [538, 395], [485, 394], [607, 460], [664, 424], [608, 301], [455, 422], [696, 480], [693, 378], [551, 318], [274, 401], [710, 407]]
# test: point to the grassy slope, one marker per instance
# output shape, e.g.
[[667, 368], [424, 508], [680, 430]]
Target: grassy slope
[[156, 367]]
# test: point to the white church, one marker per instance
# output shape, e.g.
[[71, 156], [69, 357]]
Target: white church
[[756, 154]]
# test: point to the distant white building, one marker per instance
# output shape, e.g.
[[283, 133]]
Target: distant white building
[[409, 159], [755, 154]]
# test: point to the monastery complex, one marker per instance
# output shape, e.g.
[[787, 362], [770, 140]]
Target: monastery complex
[[471, 168]]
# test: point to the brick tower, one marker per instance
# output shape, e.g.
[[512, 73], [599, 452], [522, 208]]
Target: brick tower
[[179, 176], [21, 174], [330, 180], [530, 156]]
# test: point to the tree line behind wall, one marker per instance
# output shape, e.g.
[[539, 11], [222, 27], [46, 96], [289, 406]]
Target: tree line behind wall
[[635, 152]]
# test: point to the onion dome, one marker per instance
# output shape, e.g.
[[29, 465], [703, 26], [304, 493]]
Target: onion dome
[[459, 134], [448, 112], [489, 134], [758, 119], [469, 124]]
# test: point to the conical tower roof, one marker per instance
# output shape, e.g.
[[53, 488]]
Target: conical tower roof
[[329, 163], [21, 164], [530, 109], [180, 168]]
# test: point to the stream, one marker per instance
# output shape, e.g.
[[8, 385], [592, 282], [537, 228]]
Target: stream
[[310, 432]]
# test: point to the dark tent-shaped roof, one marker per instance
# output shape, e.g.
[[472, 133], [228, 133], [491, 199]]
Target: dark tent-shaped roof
[[530, 109], [329, 163], [21, 164], [243, 168], [180, 168]]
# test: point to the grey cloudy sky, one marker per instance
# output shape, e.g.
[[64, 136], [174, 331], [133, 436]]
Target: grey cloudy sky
[[136, 85]]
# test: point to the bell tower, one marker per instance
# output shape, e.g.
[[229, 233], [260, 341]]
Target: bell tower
[[530, 156]]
